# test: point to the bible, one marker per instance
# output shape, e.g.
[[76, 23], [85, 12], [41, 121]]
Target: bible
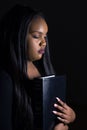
[[43, 96]]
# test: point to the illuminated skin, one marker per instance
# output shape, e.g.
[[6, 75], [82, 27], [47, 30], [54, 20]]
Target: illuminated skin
[[67, 115], [36, 39], [36, 43]]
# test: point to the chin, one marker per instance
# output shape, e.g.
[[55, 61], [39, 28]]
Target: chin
[[38, 58]]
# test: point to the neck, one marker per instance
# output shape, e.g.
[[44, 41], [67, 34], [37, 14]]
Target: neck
[[32, 71]]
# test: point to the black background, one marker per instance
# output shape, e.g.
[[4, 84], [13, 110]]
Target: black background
[[67, 38]]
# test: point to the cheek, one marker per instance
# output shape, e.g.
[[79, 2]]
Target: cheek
[[32, 50], [33, 44], [33, 47]]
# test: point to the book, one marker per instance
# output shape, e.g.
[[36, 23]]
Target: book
[[44, 93]]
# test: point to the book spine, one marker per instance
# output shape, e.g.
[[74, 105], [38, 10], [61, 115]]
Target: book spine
[[37, 103]]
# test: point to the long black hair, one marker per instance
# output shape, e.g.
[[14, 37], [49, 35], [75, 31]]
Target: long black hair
[[13, 57]]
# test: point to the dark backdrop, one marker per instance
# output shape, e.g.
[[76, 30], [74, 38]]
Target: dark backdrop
[[67, 39]]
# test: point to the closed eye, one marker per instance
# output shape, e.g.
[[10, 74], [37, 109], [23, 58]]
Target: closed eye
[[34, 36]]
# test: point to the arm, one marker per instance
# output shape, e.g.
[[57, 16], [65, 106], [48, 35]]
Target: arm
[[5, 101], [61, 126]]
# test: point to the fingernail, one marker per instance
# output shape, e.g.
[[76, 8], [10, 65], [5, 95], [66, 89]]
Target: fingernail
[[57, 98], [55, 105], [54, 112], [59, 117]]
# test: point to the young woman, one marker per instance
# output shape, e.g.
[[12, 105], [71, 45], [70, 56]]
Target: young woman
[[24, 56]]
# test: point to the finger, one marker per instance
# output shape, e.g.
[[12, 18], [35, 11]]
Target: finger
[[62, 115], [61, 102], [63, 120], [62, 109]]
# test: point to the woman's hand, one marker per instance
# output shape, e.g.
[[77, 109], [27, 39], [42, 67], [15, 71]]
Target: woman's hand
[[64, 113]]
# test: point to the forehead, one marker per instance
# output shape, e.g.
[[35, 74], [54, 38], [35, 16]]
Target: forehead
[[38, 24]]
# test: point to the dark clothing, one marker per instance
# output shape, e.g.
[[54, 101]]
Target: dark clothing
[[10, 117], [6, 87], [6, 101]]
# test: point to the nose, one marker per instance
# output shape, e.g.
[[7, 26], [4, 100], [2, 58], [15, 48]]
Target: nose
[[43, 42]]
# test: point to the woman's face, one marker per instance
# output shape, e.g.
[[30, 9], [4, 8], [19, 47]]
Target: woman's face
[[36, 39]]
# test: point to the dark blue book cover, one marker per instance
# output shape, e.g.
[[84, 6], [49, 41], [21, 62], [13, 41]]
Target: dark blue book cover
[[44, 93]]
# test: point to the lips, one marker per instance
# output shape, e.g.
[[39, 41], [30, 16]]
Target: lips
[[41, 51]]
